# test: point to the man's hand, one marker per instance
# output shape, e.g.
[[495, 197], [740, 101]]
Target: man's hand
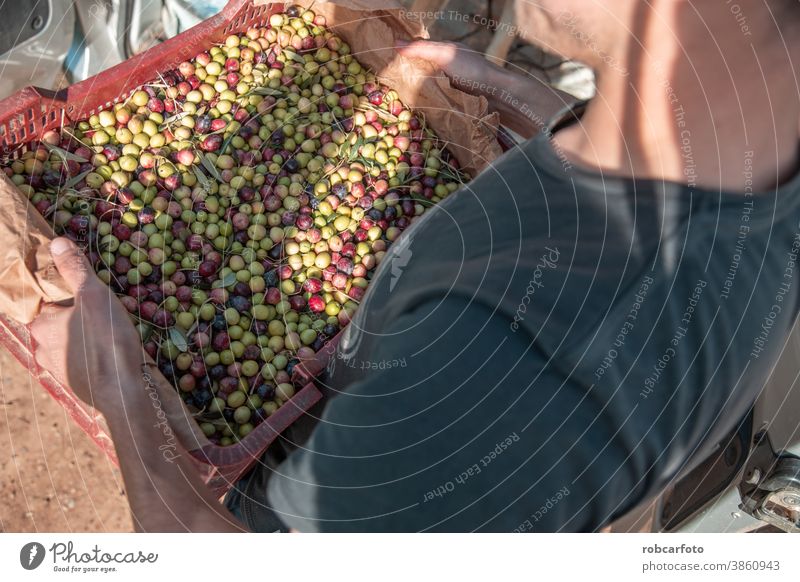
[[459, 62], [525, 102], [91, 344]]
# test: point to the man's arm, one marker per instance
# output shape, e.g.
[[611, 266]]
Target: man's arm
[[92, 347], [164, 489], [525, 102]]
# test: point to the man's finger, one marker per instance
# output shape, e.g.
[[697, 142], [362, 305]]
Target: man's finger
[[48, 331], [439, 53], [71, 263]]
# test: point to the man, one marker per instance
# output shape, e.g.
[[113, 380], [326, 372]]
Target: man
[[553, 343]]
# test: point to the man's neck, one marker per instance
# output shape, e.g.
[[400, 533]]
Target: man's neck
[[690, 115]]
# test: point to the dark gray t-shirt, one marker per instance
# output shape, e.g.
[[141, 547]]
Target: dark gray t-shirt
[[545, 349]]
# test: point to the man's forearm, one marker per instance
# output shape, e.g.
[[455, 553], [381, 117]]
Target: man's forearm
[[164, 490], [525, 104]]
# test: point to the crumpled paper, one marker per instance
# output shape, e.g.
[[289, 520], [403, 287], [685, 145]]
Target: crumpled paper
[[28, 276]]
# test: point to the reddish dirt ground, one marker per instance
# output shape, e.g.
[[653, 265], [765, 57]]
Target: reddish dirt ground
[[53, 478]]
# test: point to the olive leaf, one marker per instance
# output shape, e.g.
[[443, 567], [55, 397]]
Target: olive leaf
[[295, 57], [350, 150], [212, 169], [224, 147], [354, 149], [178, 338], [228, 280], [65, 155], [202, 178], [267, 92], [75, 179], [309, 80], [145, 331]]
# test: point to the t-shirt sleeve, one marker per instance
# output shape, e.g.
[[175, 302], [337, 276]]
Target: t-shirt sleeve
[[459, 424]]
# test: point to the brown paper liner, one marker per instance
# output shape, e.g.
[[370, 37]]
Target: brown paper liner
[[28, 277]]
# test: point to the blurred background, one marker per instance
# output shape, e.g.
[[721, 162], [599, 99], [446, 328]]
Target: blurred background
[[53, 43], [52, 476]]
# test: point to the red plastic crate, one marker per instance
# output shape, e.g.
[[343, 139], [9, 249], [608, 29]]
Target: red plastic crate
[[27, 114]]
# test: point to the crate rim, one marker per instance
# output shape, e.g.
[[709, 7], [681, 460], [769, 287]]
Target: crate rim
[[31, 111]]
